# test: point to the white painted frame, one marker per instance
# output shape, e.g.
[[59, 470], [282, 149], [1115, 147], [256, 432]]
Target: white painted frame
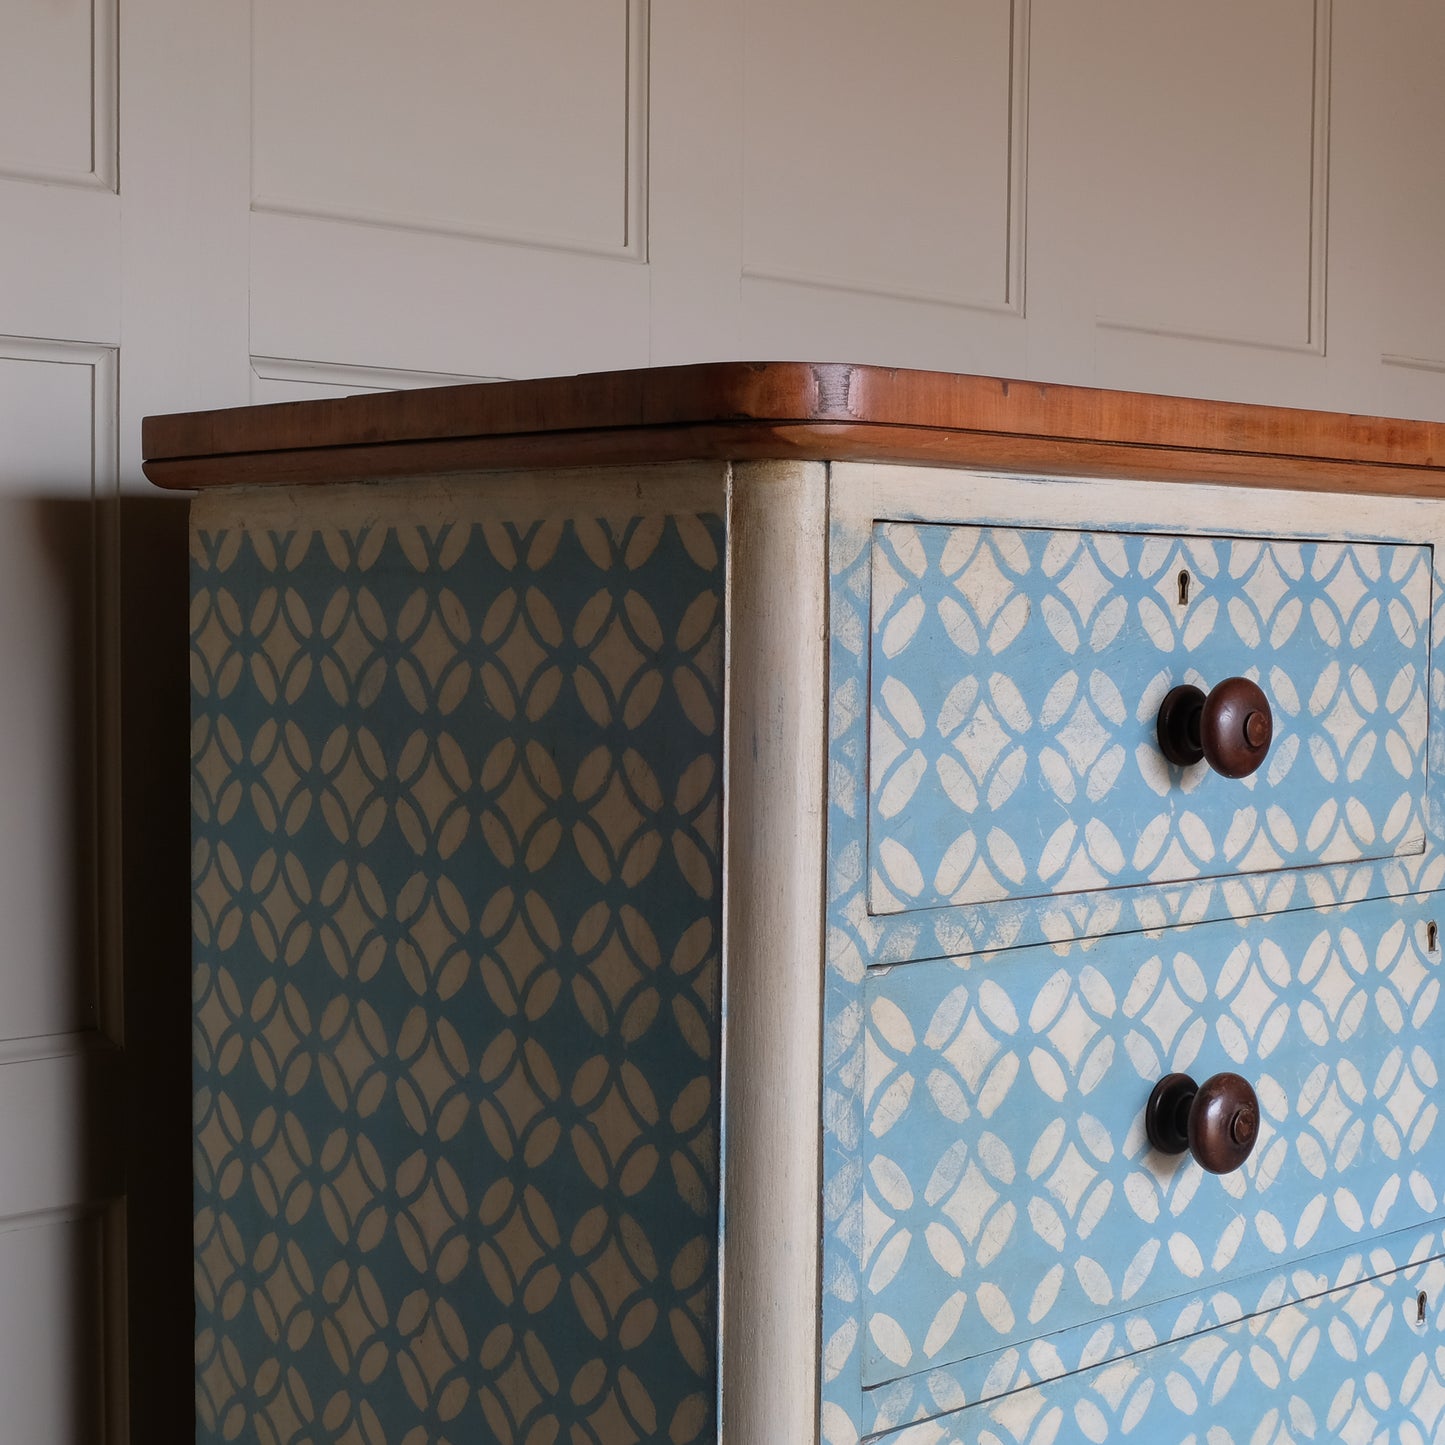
[[350, 375], [774, 764], [104, 172]]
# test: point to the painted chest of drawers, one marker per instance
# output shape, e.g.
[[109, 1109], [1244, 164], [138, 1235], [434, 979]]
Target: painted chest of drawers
[[691, 910]]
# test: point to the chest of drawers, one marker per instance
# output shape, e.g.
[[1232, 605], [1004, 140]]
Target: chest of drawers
[[691, 911]]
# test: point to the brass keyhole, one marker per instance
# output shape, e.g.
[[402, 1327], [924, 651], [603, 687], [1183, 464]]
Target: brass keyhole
[[1184, 580], [1432, 937], [1420, 1301]]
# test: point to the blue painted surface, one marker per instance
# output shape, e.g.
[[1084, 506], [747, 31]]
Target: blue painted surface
[[1352, 1368], [1379, 705], [1009, 1189], [457, 913], [1016, 676], [983, 1073]]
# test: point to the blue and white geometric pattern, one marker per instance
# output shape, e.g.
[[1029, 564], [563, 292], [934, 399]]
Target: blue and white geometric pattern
[[1009, 1190], [457, 903], [1017, 675], [1352, 1367], [970, 1092], [944, 927]]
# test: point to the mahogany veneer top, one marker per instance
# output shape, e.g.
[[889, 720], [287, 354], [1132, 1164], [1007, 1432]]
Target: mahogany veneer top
[[762, 410]]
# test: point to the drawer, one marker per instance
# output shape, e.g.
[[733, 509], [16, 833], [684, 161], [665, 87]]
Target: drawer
[[1009, 1190], [1015, 677], [1353, 1365]]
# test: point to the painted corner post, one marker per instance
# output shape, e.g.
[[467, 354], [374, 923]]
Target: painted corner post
[[773, 938]]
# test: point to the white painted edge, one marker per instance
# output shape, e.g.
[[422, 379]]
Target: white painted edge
[[773, 789], [1016, 226], [639, 86], [612, 492], [280, 205], [863, 492], [822, 281], [1413, 363], [1320, 177], [362, 378]]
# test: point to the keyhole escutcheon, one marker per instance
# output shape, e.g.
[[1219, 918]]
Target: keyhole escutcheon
[[1432, 937], [1184, 581], [1420, 1302]]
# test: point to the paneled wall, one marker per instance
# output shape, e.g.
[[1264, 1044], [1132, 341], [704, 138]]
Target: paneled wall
[[62, 1192], [207, 205], [1228, 200]]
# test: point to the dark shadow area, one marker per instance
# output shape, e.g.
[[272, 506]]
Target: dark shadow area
[[156, 948], [52, 811], [63, 608]]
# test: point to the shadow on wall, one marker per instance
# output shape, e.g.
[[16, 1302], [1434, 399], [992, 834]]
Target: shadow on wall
[[49, 798], [52, 725], [70, 1147], [92, 1126], [156, 947]]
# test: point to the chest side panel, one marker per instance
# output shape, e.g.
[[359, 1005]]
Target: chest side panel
[[457, 912]]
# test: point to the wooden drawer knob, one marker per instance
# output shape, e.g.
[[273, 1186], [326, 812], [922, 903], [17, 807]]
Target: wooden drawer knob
[[1230, 729], [1217, 1121]]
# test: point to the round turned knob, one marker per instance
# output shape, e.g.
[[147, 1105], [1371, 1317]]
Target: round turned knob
[[1231, 729], [1217, 1121]]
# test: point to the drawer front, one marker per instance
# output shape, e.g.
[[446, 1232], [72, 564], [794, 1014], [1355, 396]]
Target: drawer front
[[1355, 1365], [1015, 680], [1009, 1190]]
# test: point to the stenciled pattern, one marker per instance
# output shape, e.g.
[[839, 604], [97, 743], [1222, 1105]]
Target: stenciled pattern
[[1008, 1030], [1016, 676], [1009, 1190], [1352, 1367], [952, 928], [457, 914]]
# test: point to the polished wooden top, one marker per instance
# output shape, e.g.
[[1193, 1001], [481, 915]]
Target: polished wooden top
[[764, 410]]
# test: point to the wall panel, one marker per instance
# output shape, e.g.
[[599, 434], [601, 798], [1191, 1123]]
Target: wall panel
[[58, 91], [52, 1384], [57, 461], [514, 122], [1208, 136], [57, 250], [885, 148], [372, 296], [1411, 189]]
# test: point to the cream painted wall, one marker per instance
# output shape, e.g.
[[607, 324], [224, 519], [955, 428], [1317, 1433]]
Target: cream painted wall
[[205, 205], [1229, 200]]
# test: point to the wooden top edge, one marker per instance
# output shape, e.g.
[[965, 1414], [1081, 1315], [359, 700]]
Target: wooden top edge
[[909, 408]]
